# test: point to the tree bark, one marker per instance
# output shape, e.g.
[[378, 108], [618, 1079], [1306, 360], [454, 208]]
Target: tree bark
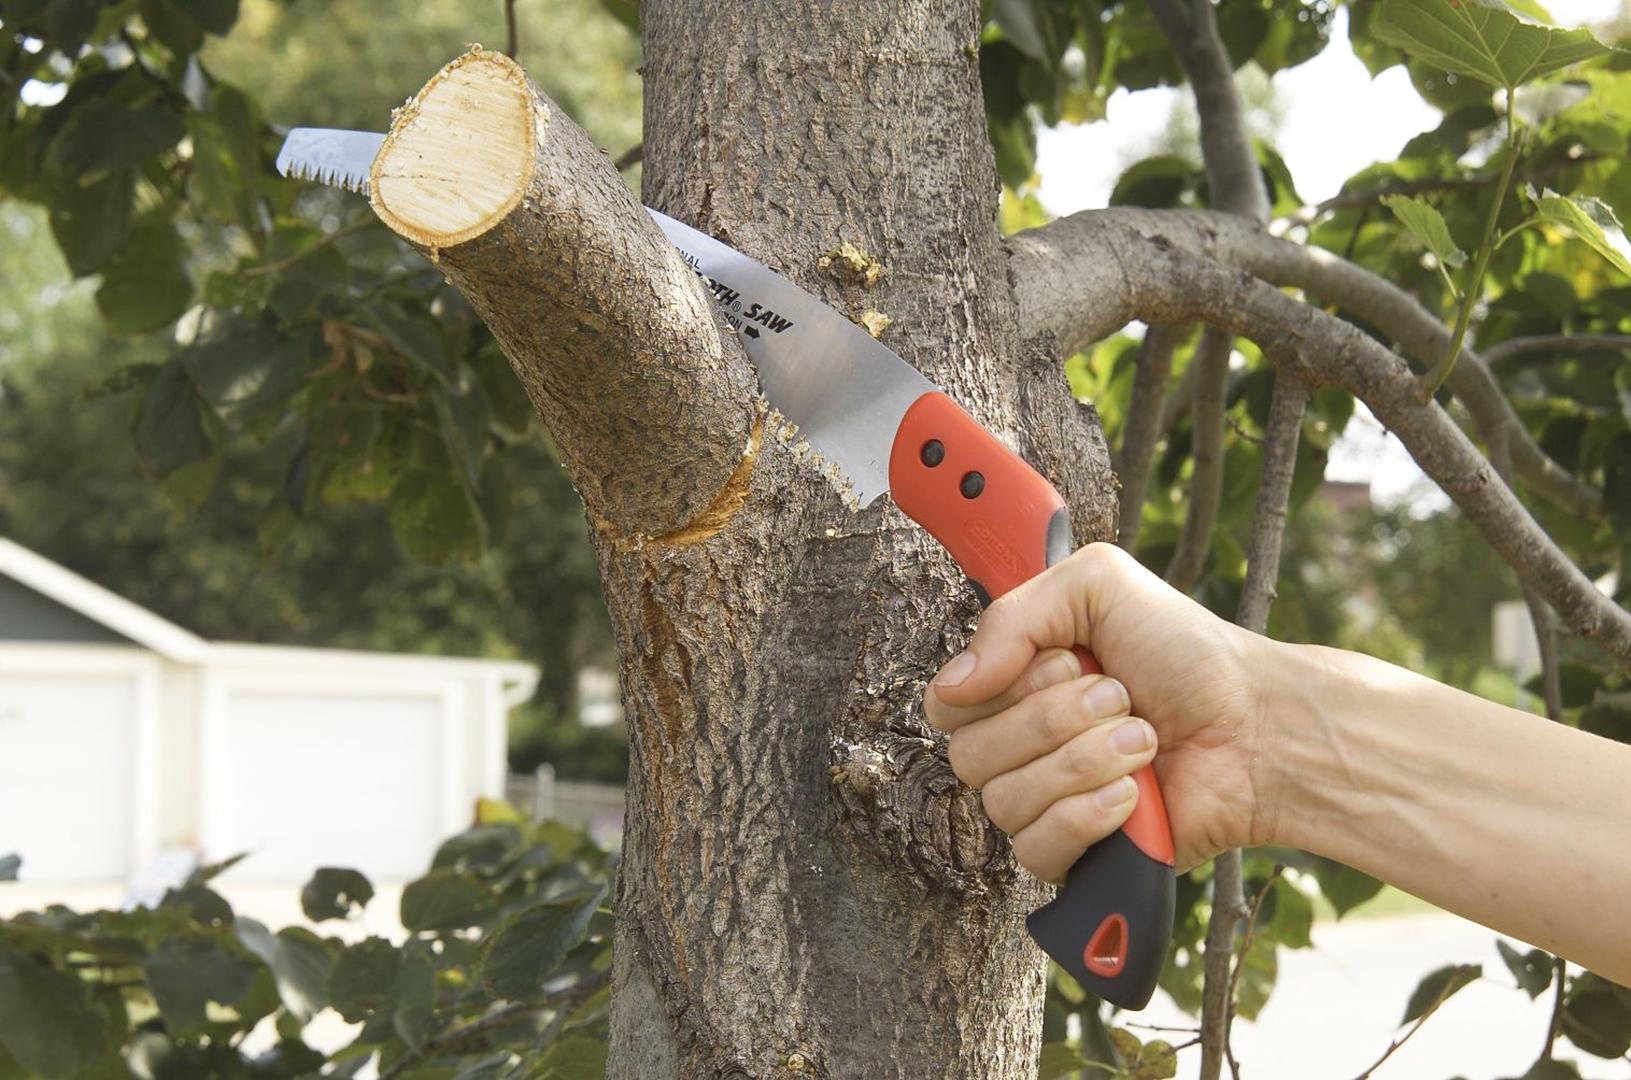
[[806, 889]]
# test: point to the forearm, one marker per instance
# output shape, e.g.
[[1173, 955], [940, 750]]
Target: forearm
[[1503, 817]]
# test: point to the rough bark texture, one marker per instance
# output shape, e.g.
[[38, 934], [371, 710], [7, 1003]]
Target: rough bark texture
[[806, 889]]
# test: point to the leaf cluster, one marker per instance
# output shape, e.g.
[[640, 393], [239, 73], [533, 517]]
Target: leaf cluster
[[502, 973]]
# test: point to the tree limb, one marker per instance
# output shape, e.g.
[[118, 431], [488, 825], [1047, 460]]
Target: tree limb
[[610, 332], [1511, 348], [1228, 908], [1273, 499], [1155, 280], [1059, 286], [1142, 428], [1211, 367], [1233, 175]]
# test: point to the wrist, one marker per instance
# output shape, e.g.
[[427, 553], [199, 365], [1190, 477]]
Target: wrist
[[1310, 769]]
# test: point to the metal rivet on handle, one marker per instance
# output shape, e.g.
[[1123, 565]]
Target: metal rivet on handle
[[933, 453], [972, 484]]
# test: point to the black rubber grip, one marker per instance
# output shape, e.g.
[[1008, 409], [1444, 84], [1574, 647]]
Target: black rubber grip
[[1113, 877]]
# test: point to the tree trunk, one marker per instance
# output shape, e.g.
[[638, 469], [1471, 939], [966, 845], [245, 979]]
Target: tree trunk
[[806, 889]]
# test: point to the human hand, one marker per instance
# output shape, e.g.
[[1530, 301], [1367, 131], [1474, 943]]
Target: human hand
[[1052, 750]]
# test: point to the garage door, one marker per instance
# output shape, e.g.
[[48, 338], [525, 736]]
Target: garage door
[[67, 744], [313, 779]]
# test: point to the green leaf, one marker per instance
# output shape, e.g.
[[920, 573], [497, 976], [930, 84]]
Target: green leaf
[[244, 368], [1438, 988], [415, 1000], [575, 1057], [517, 960], [188, 971], [1597, 1016], [434, 519], [481, 849], [1532, 969], [364, 979], [9, 864], [1426, 224], [171, 428], [1552, 1069], [1579, 684], [445, 900], [335, 894], [145, 285], [47, 1022], [1345, 887], [300, 962], [1059, 1060], [1292, 920], [1159, 182], [1485, 40], [102, 135], [91, 222], [1017, 20], [1591, 221]]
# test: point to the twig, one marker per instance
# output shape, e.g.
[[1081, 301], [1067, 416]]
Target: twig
[[1142, 428], [562, 1000], [1434, 378], [1443, 995], [1250, 932], [280, 265], [1427, 185], [512, 36], [1511, 348], [1555, 1026], [1169, 1028], [631, 157]]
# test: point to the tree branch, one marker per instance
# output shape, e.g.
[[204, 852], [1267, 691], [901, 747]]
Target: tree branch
[[1061, 289], [1142, 428], [1135, 276], [610, 332], [1512, 348], [1273, 499], [1211, 367], [1228, 908], [1233, 175]]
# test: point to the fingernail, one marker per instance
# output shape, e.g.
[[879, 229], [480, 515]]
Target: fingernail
[[1105, 698], [1133, 737], [1115, 793], [1061, 668], [960, 668]]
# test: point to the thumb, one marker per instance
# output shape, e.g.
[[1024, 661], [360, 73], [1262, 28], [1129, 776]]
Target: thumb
[[1050, 611]]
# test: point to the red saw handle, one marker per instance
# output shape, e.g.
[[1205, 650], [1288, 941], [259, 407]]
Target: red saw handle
[[1004, 524]]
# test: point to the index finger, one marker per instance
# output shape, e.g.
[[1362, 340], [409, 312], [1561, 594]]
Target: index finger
[[1047, 612]]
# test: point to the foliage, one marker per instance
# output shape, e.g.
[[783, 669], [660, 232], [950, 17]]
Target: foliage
[[502, 973]]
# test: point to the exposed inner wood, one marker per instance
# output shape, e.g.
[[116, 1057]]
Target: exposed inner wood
[[459, 154]]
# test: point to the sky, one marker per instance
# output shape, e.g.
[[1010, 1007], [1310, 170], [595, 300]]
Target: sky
[[1335, 120]]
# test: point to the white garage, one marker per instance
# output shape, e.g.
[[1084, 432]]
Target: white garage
[[123, 736]]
